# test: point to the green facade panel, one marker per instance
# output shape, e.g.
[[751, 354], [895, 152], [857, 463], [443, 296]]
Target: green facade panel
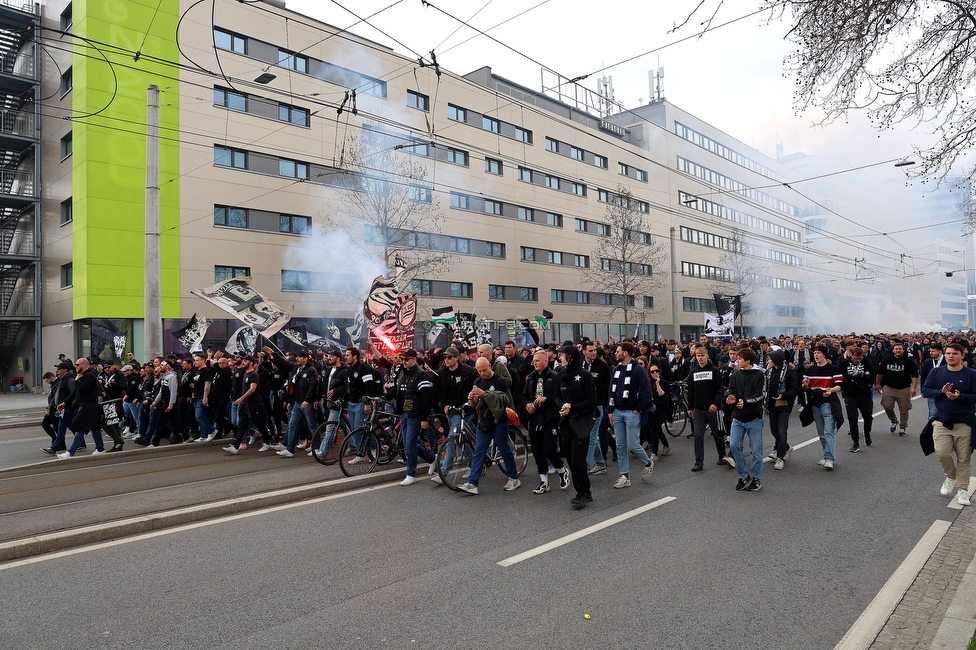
[[109, 154]]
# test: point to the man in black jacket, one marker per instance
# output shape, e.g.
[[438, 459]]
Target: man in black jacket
[[362, 382], [543, 422], [84, 402], [705, 392], [859, 374], [454, 383], [333, 391], [576, 398], [600, 371], [413, 393], [898, 382], [301, 390], [745, 395]]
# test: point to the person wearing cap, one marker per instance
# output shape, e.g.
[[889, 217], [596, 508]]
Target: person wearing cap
[[60, 390], [84, 401], [201, 383], [823, 382], [333, 389], [454, 382], [412, 392], [782, 389], [130, 400], [250, 409], [301, 393]]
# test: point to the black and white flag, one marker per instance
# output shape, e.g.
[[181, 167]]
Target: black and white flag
[[726, 304], [191, 336], [237, 297]]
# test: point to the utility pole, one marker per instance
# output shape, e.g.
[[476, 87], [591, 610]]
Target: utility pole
[[153, 315], [676, 328]]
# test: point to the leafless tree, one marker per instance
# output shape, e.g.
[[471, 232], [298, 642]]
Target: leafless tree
[[898, 60], [627, 263], [391, 208], [743, 269]]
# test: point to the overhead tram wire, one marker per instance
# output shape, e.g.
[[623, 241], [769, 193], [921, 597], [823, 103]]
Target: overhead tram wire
[[551, 117]]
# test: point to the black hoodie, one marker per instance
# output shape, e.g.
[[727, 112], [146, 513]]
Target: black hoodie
[[747, 385]]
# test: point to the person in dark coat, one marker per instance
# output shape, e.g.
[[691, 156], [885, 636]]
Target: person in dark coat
[[84, 401]]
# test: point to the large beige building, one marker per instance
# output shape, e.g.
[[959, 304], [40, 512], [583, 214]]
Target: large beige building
[[262, 173]]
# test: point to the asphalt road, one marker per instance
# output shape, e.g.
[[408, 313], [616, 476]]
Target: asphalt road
[[791, 566]]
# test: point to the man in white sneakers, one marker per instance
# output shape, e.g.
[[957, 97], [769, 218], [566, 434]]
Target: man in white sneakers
[[954, 388]]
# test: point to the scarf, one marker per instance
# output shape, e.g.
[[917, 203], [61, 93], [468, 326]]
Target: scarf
[[615, 382]]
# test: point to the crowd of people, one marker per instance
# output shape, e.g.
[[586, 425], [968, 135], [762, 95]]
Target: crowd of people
[[585, 405]]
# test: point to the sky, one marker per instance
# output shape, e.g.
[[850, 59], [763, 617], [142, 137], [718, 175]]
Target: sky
[[731, 77]]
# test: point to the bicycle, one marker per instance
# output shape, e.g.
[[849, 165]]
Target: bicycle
[[458, 449], [676, 422], [337, 432], [377, 442]]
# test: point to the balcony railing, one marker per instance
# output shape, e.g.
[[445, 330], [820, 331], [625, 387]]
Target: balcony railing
[[22, 5], [18, 63], [18, 183], [17, 303], [17, 122]]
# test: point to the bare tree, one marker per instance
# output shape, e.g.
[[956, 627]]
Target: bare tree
[[390, 206], [626, 264], [899, 60], [743, 269]]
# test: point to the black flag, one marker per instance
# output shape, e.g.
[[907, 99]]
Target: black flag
[[531, 330], [725, 304]]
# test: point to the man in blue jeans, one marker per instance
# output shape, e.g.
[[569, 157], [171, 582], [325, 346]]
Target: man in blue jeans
[[301, 390], [490, 397], [412, 393], [629, 397], [745, 395], [823, 381]]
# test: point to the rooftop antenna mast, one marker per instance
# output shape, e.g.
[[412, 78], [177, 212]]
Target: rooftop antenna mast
[[656, 85]]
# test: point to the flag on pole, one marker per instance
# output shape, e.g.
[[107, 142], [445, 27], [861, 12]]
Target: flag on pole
[[435, 331], [238, 298], [443, 316], [726, 304], [191, 336], [543, 322], [720, 325], [530, 331], [357, 330], [243, 341]]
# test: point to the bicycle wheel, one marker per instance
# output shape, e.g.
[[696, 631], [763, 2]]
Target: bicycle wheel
[[459, 458], [358, 453], [675, 425], [521, 450], [332, 447], [389, 447]]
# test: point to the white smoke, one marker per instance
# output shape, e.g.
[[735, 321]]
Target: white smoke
[[347, 268]]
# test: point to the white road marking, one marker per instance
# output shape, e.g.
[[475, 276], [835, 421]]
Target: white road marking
[[179, 529], [866, 628], [556, 543]]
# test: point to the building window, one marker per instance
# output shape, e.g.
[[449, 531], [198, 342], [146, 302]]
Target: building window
[[423, 287], [222, 273], [496, 292], [420, 194], [576, 153], [528, 294], [523, 135], [66, 146], [600, 161], [457, 113], [457, 157], [558, 295], [461, 289], [418, 101], [231, 217], [582, 261], [603, 196], [228, 41], [528, 254], [491, 124], [292, 168], [648, 302], [579, 189], [552, 181], [66, 82], [460, 245], [526, 214], [67, 275], [552, 145], [622, 169], [460, 201], [493, 207], [493, 166], [641, 175], [525, 174], [292, 61], [294, 224], [66, 18], [553, 219], [227, 157], [230, 99], [554, 257], [493, 249], [293, 114], [66, 210], [306, 281], [583, 297]]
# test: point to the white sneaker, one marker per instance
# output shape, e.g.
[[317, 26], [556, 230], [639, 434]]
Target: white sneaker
[[231, 449], [962, 498], [822, 462], [212, 436], [265, 447], [948, 486], [253, 440], [64, 455], [278, 446], [98, 452], [778, 464], [410, 480], [646, 473], [284, 453], [470, 488], [828, 464], [309, 454], [728, 460], [436, 478], [513, 484], [356, 460], [431, 469], [622, 482]]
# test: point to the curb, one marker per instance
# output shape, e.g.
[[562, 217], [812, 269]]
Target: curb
[[21, 423], [61, 540], [88, 459]]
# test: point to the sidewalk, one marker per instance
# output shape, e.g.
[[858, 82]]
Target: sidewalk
[[21, 409], [939, 609]]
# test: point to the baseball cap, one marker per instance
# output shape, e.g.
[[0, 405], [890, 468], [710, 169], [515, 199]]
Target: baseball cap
[[409, 353]]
